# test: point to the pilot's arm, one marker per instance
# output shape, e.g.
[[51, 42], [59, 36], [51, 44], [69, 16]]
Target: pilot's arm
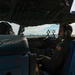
[[60, 54]]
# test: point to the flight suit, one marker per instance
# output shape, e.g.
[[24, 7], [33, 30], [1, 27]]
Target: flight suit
[[58, 58]]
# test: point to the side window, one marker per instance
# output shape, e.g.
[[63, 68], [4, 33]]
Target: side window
[[15, 27], [72, 10], [73, 27]]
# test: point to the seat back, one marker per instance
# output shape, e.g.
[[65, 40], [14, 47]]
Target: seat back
[[14, 65], [15, 57], [70, 62], [13, 44]]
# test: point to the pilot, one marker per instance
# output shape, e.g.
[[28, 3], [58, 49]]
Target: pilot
[[6, 28], [53, 64]]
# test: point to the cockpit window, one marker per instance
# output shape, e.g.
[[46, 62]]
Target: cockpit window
[[72, 10], [42, 30], [73, 27], [15, 27]]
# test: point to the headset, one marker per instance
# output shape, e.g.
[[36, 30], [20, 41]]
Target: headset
[[67, 33], [68, 30]]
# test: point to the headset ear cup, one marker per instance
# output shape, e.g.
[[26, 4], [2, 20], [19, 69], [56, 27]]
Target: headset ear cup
[[68, 33]]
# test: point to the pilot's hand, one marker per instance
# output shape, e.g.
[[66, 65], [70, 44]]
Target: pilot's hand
[[44, 57]]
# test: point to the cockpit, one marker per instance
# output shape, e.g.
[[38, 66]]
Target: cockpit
[[36, 25]]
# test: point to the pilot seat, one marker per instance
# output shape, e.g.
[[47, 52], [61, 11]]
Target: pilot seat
[[15, 57]]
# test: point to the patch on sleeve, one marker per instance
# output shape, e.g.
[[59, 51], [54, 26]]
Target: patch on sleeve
[[58, 48]]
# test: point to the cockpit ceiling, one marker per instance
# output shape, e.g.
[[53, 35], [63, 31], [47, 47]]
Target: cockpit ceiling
[[36, 12]]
